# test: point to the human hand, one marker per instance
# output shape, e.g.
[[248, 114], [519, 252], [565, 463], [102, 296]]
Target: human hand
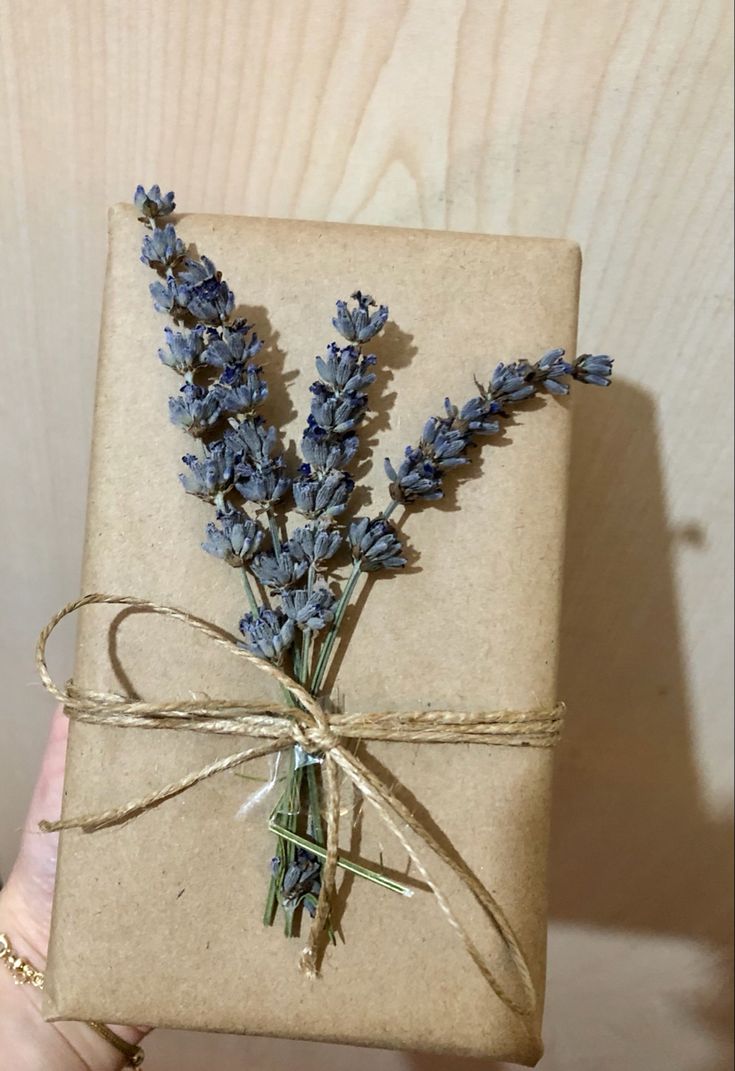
[[25, 915]]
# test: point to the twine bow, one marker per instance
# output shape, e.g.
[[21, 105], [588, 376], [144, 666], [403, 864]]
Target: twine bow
[[316, 730]]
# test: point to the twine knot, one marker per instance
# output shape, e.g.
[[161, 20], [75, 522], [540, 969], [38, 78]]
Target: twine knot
[[315, 740], [327, 734]]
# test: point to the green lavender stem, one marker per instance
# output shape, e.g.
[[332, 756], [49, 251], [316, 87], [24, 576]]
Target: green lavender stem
[[275, 534], [253, 602], [315, 820], [345, 864], [306, 634], [326, 650]]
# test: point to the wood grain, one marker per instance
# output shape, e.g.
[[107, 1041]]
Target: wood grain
[[607, 122]]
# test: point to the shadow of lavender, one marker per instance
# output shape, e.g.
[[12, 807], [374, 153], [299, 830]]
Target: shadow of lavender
[[278, 408], [394, 349]]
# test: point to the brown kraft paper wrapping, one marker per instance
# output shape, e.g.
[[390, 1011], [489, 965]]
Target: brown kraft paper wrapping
[[160, 921]]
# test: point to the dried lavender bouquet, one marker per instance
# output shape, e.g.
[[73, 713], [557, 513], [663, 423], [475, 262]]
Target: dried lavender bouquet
[[294, 602]]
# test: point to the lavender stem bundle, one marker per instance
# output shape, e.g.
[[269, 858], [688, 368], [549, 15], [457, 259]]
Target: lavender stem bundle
[[294, 605]]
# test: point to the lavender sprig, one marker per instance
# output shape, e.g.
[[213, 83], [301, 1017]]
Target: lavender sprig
[[446, 440], [443, 446], [321, 491], [223, 389]]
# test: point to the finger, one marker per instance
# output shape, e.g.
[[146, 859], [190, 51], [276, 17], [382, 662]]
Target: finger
[[46, 798], [32, 880]]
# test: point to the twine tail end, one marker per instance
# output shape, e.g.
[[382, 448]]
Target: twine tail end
[[308, 964]]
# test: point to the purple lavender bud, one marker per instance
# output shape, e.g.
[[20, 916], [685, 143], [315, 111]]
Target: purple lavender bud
[[551, 369], [152, 204], [310, 612], [323, 451], [254, 439], [327, 494], [264, 483], [315, 543], [359, 324], [444, 444], [168, 297], [338, 414], [511, 383], [416, 478], [345, 369], [203, 292], [196, 409], [476, 414], [375, 544], [211, 475], [594, 369], [232, 346], [268, 634], [184, 349], [161, 248], [278, 572], [238, 539], [241, 389]]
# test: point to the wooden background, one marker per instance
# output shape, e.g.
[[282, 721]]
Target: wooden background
[[607, 122]]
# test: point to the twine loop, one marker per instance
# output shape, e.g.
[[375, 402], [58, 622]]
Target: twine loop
[[329, 734]]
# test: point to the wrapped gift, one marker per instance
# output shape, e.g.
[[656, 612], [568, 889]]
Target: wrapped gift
[[159, 920]]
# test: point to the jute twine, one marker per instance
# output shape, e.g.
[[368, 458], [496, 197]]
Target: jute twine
[[324, 732]]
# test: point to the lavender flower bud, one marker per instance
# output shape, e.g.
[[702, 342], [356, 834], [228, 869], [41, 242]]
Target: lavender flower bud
[[197, 270], [254, 439], [510, 383], [196, 409], [241, 389], [315, 543], [375, 544], [315, 495], [444, 444], [234, 346], [264, 483], [309, 611], [595, 369], [278, 572], [184, 349], [359, 324], [551, 367], [338, 414], [345, 369], [416, 478], [203, 292], [323, 451], [211, 475], [168, 297], [152, 205], [210, 302], [475, 415], [268, 634], [161, 248], [236, 541], [301, 880]]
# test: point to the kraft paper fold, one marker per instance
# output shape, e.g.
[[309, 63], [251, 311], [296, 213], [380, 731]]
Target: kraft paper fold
[[159, 921]]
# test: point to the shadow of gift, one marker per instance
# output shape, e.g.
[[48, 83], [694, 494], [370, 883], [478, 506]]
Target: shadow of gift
[[634, 847]]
